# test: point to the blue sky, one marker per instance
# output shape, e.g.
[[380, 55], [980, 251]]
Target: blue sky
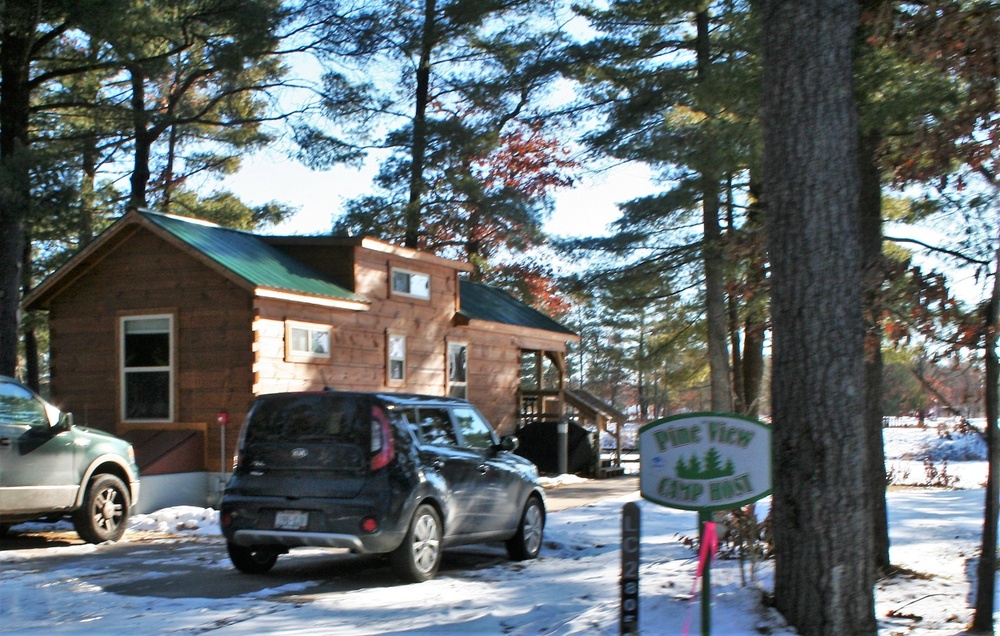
[[583, 210]]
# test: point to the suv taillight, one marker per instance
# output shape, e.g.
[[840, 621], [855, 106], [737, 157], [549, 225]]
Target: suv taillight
[[383, 449]]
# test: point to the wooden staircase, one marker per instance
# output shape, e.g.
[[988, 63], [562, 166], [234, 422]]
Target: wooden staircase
[[607, 469]]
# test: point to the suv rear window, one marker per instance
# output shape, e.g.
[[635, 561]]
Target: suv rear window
[[310, 418]]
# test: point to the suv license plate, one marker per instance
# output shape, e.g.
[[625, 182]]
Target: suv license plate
[[291, 520]]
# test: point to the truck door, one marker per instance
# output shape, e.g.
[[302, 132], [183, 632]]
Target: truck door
[[37, 466]]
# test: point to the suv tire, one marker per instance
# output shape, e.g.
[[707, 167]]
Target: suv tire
[[104, 513], [527, 541], [252, 560], [417, 559]]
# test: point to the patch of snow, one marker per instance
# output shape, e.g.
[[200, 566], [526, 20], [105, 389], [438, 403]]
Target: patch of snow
[[571, 589]]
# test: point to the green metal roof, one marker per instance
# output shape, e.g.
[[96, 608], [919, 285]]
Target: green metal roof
[[249, 257], [262, 265], [481, 302]]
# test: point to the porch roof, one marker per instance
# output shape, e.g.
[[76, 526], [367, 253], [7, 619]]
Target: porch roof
[[588, 402], [482, 302]]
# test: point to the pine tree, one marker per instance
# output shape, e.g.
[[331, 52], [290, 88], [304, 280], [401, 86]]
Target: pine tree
[[811, 196], [676, 84], [468, 162], [64, 119], [198, 75]]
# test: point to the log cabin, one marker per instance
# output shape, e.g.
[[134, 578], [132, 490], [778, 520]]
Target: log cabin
[[164, 328]]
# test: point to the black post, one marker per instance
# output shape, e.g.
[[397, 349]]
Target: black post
[[563, 447], [630, 569]]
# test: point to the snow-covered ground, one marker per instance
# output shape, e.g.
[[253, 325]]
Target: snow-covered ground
[[573, 588]]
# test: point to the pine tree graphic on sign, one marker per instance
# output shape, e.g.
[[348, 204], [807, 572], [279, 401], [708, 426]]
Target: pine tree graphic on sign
[[711, 466]]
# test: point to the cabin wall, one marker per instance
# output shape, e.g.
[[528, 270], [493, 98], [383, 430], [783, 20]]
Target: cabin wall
[[336, 262], [358, 339], [358, 353], [212, 344], [494, 375], [495, 368]]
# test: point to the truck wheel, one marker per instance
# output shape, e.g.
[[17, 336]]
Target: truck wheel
[[104, 513]]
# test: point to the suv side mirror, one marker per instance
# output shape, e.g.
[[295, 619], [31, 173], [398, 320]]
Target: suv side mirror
[[508, 443]]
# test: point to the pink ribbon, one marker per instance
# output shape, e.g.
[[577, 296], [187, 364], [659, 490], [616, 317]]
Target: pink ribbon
[[709, 546], [706, 554]]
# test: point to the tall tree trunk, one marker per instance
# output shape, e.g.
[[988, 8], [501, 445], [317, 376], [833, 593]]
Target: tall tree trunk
[[753, 365], [715, 284], [640, 365], [822, 522], [168, 171], [419, 143], [88, 204], [31, 371], [143, 140], [740, 401], [755, 312], [474, 246], [89, 155], [17, 28], [873, 277], [982, 620], [715, 301]]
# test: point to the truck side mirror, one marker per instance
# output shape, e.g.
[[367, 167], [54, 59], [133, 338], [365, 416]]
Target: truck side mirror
[[65, 422]]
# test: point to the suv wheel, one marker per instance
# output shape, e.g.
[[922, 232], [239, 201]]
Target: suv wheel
[[527, 542], [104, 512], [418, 557], [253, 560]]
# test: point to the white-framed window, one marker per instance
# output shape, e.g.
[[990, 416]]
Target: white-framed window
[[457, 372], [306, 341], [147, 368], [407, 283], [396, 358]]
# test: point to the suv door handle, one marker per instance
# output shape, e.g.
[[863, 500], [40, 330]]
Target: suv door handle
[[483, 468], [438, 464]]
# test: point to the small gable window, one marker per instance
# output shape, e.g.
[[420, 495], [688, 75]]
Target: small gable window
[[147, 368], [396, 363], [457, 359], [304, 341], [406, 283]]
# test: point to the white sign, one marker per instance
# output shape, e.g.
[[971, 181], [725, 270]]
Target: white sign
[[705, 461]]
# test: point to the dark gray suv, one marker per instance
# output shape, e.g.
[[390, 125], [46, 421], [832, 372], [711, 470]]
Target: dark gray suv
[[50, 468], [376, 473]]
